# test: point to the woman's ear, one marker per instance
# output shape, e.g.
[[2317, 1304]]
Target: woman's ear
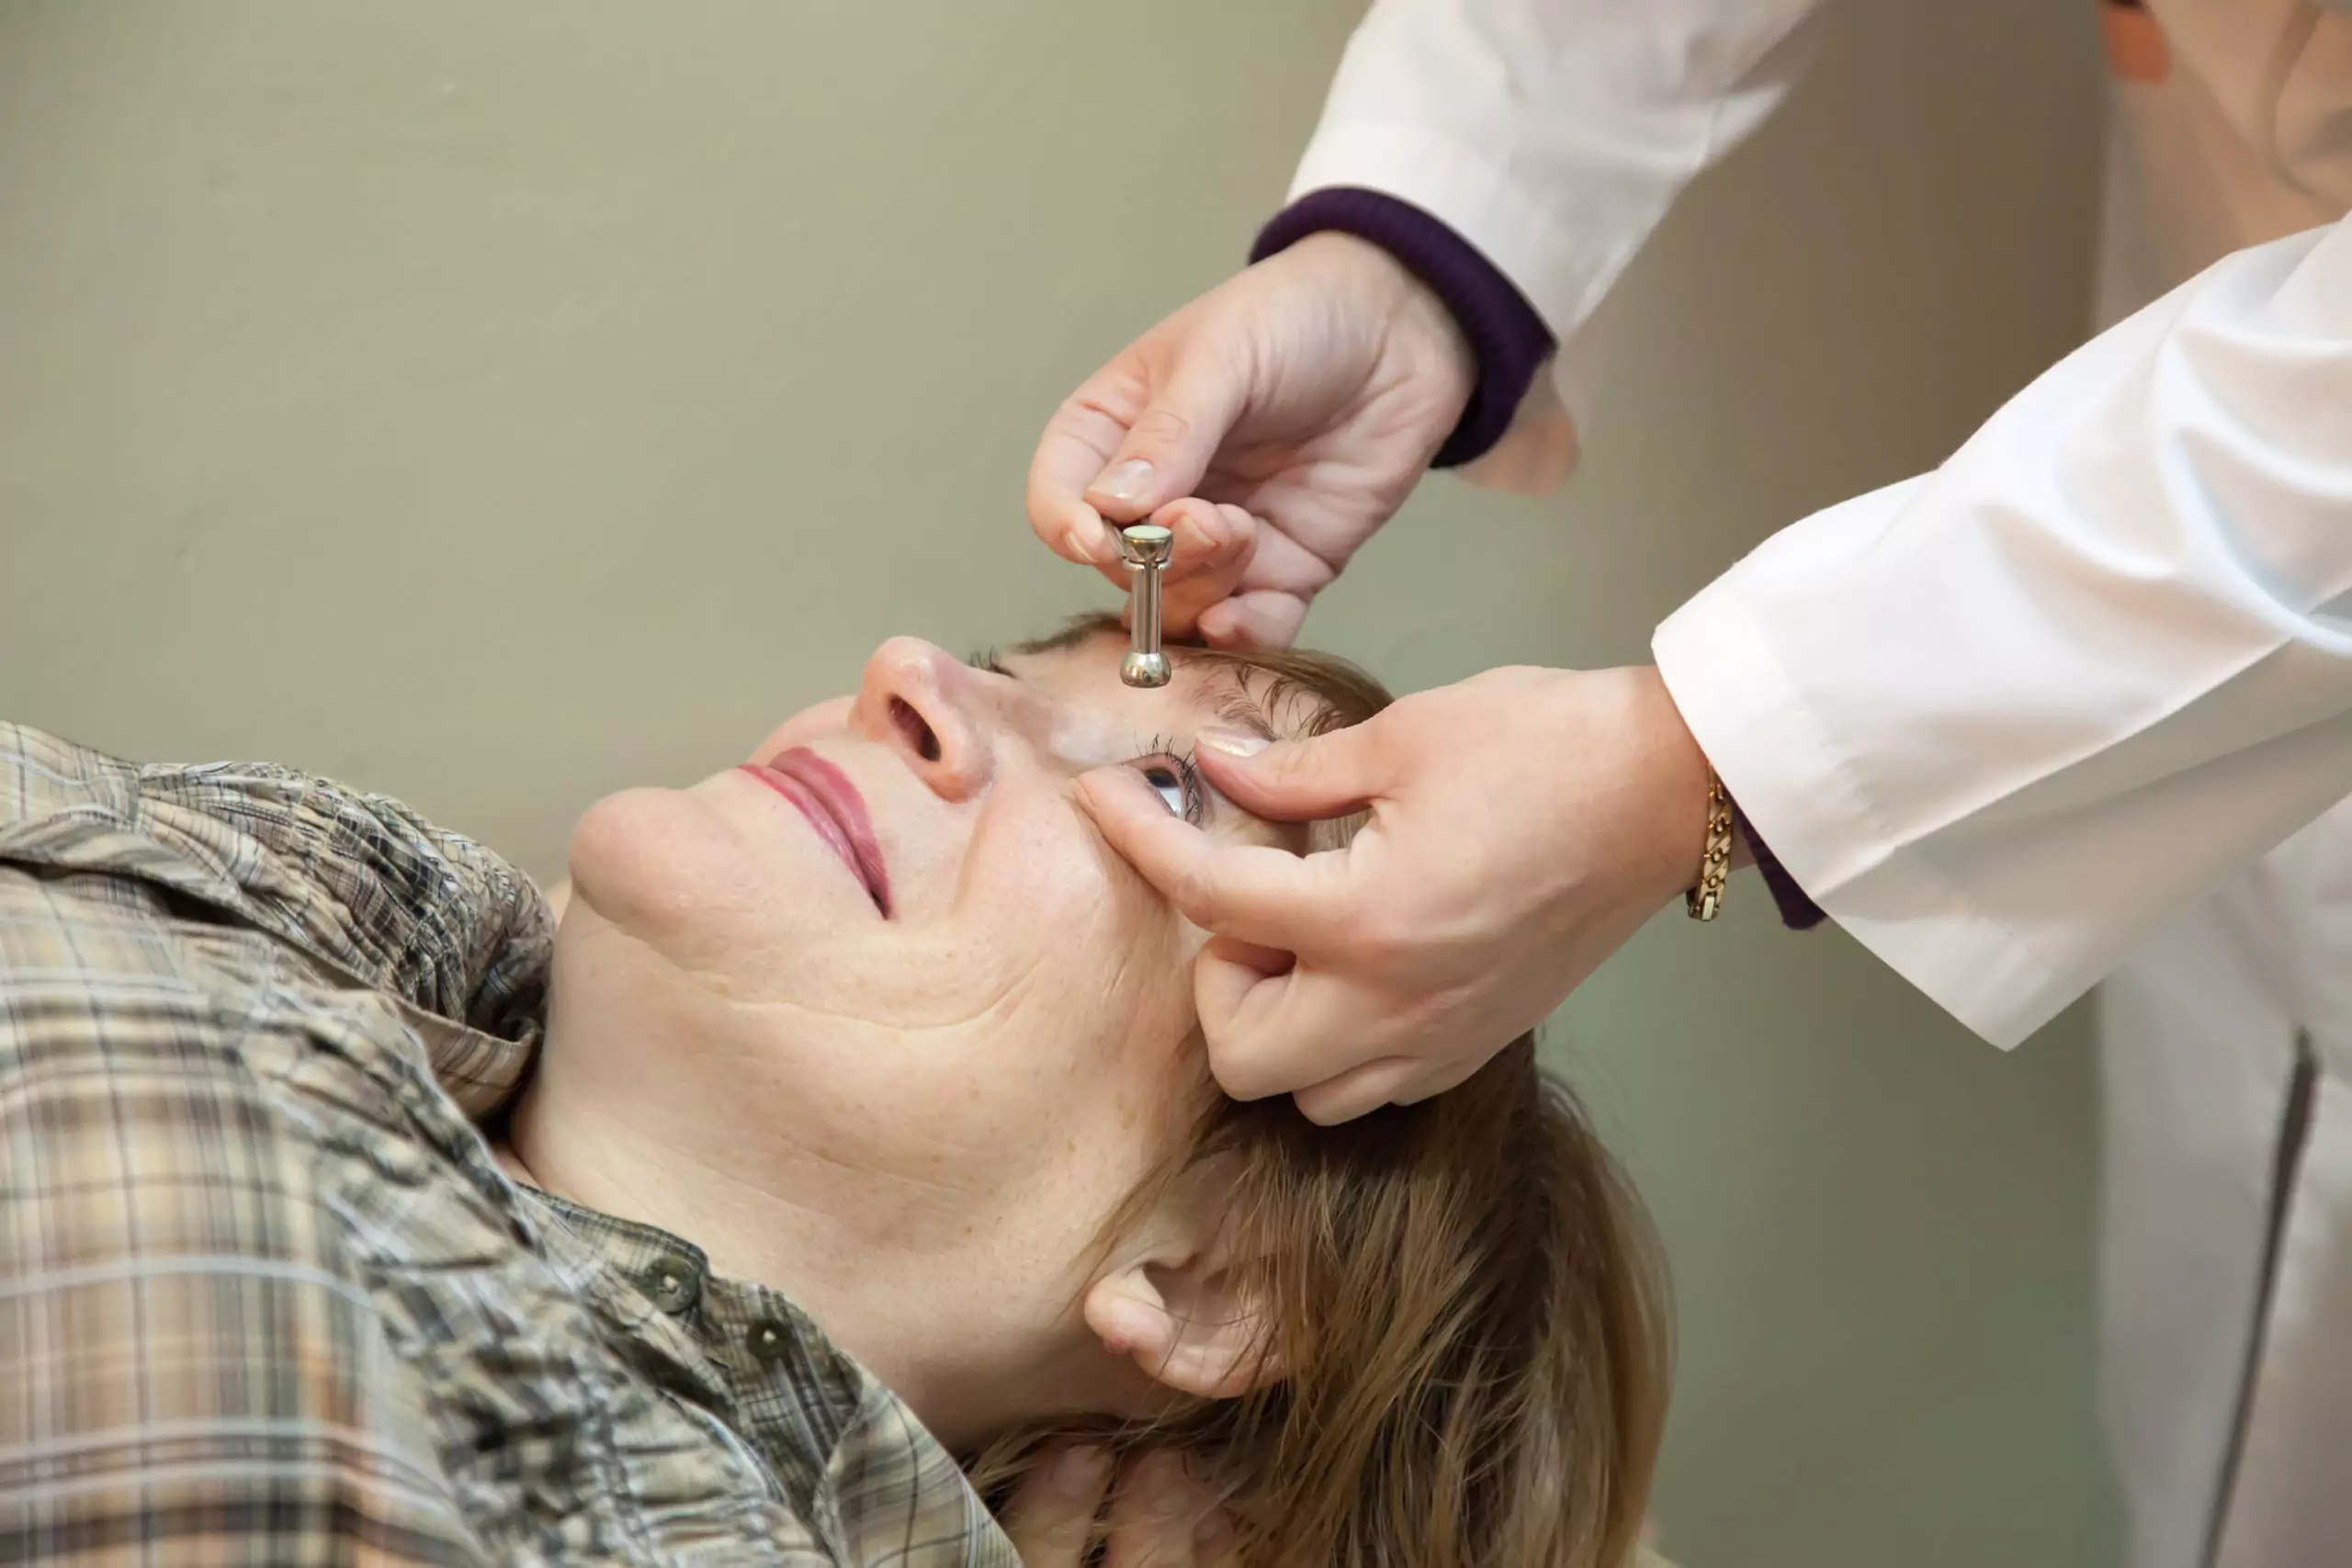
[[1191, 1321]]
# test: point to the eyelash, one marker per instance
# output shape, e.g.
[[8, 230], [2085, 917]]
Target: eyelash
[[1163, 748]]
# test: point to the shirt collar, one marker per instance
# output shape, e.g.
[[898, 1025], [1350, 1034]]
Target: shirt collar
[[831, 1431]]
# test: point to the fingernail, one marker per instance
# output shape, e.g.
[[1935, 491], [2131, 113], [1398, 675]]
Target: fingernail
[[1088, 542], [1232, 742], [1081, 1471], [1214, 1533], [1129, 481]]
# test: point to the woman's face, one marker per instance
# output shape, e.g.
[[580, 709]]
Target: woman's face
[[944, 968]]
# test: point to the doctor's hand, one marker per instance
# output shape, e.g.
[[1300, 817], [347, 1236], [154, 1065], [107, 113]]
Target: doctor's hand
[[1160, 1517], [1273, 424], [1523, 825]]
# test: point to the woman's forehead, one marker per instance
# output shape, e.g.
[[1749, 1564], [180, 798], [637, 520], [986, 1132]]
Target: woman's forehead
[[1206, 690], [1099, 718]]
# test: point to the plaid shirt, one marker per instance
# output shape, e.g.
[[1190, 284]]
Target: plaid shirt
[[264, 1298]]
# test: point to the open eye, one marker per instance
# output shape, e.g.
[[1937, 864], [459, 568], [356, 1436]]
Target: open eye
[[1163, 777], [1172, 773]]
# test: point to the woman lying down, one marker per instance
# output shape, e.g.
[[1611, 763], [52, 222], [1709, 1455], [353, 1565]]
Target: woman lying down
[[842, 1177]]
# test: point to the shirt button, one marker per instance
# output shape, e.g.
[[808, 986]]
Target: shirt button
[[673, 1284], [770, 1340]]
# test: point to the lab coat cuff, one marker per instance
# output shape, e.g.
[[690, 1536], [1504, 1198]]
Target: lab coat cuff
[[1777, 759], [1508, 340], [1560, 259]]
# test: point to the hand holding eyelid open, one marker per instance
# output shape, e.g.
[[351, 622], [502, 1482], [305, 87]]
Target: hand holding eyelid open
[[1522, 825]]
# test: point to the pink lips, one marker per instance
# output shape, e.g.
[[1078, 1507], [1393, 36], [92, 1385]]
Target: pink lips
[[834, 809]]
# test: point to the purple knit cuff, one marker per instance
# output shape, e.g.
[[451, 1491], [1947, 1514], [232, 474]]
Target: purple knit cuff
[[1506, 338], [1798, 912]]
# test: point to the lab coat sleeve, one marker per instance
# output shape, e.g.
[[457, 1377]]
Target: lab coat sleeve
[[1551, 135], [2001, 719]]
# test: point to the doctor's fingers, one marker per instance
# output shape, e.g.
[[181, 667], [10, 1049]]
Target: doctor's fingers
[[1194, 389], [1213, 548], [1231, 578], [1254, 619], [1358, 1091], [1253, 892], [1078, 442], [1162, 1518], [1273, 1030], [1137, 434], [1052, 1516], [1263, 605], [1391, 1080]]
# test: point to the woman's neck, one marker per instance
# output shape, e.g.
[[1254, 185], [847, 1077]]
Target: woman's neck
[[853, 1249]]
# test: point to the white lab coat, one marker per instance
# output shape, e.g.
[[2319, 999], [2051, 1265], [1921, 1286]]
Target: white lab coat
[[2035, 718]]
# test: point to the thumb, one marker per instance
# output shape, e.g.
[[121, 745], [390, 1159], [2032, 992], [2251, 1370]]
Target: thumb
[[1051, 1518], [1294, 780], [1168, 445]]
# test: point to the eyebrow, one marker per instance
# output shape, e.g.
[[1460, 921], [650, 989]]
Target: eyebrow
[[1237, 707]]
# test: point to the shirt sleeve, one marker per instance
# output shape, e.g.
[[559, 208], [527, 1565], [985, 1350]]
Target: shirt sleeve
[[358, 881], [191, 1369], [2002, 719], [1550, 135]]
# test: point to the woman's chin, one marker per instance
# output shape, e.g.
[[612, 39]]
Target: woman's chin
[[672, 865]]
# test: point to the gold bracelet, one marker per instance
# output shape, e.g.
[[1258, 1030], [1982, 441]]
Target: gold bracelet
[[1706, 899]]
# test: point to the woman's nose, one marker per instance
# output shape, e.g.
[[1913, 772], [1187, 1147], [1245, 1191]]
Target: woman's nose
[[920, 700]]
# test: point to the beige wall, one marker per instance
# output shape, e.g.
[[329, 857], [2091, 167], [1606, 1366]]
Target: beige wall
[[495, 405]]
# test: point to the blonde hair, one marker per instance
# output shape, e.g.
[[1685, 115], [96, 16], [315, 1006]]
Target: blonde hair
[[1465, 1298]]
